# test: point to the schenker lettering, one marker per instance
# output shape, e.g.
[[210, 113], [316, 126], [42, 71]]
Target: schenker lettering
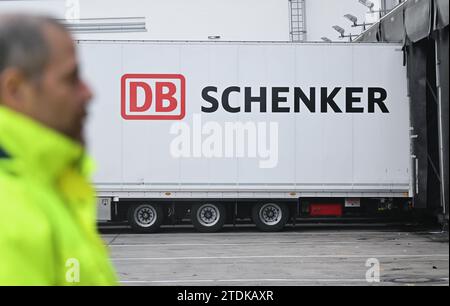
[[297, 99]]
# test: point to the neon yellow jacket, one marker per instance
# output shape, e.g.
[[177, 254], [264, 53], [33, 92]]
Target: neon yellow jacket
[[48, 234]]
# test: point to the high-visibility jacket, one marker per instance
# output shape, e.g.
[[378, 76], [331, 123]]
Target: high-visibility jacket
[[48, 234]]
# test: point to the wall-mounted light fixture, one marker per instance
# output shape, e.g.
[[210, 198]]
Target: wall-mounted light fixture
[[354, 20], [341, 31]]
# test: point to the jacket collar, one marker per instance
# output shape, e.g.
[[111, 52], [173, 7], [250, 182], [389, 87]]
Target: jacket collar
[[3, 154], [35, 148]]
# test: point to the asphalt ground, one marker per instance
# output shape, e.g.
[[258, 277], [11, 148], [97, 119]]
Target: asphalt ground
[[309, 254]]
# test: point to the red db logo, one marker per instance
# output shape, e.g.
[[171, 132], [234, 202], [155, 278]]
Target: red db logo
[[153, 96]]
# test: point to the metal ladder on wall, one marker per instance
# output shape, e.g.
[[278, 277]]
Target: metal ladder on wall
[[298, 20]]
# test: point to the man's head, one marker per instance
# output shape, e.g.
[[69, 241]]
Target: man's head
[[39, 75]]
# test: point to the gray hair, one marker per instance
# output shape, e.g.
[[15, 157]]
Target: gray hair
[[23, 44]]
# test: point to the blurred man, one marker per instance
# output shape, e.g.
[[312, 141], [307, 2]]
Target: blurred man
[[47, 205]]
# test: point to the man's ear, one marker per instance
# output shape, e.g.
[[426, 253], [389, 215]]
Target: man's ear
[[15, 89]]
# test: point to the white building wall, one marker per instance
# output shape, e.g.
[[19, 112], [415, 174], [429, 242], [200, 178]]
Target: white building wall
[[321, 15], [235, 20]]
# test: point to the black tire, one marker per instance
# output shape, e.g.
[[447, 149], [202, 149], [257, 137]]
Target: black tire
[[270, 217], [208, 217], [146, 217]]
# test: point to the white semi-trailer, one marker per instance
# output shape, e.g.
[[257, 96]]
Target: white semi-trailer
[[218, 131]]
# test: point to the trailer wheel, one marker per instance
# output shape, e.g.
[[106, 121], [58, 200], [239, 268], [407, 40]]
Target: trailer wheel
[[209, 217], [270, 217], [145, 217]]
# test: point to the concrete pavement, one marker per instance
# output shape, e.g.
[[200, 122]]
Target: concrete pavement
[[307, 255]]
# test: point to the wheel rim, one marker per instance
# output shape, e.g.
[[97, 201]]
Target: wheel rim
[[270, 214], [145, 215], [208, 215]]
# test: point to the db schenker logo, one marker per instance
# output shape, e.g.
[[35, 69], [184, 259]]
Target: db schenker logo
[[153, 96]]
